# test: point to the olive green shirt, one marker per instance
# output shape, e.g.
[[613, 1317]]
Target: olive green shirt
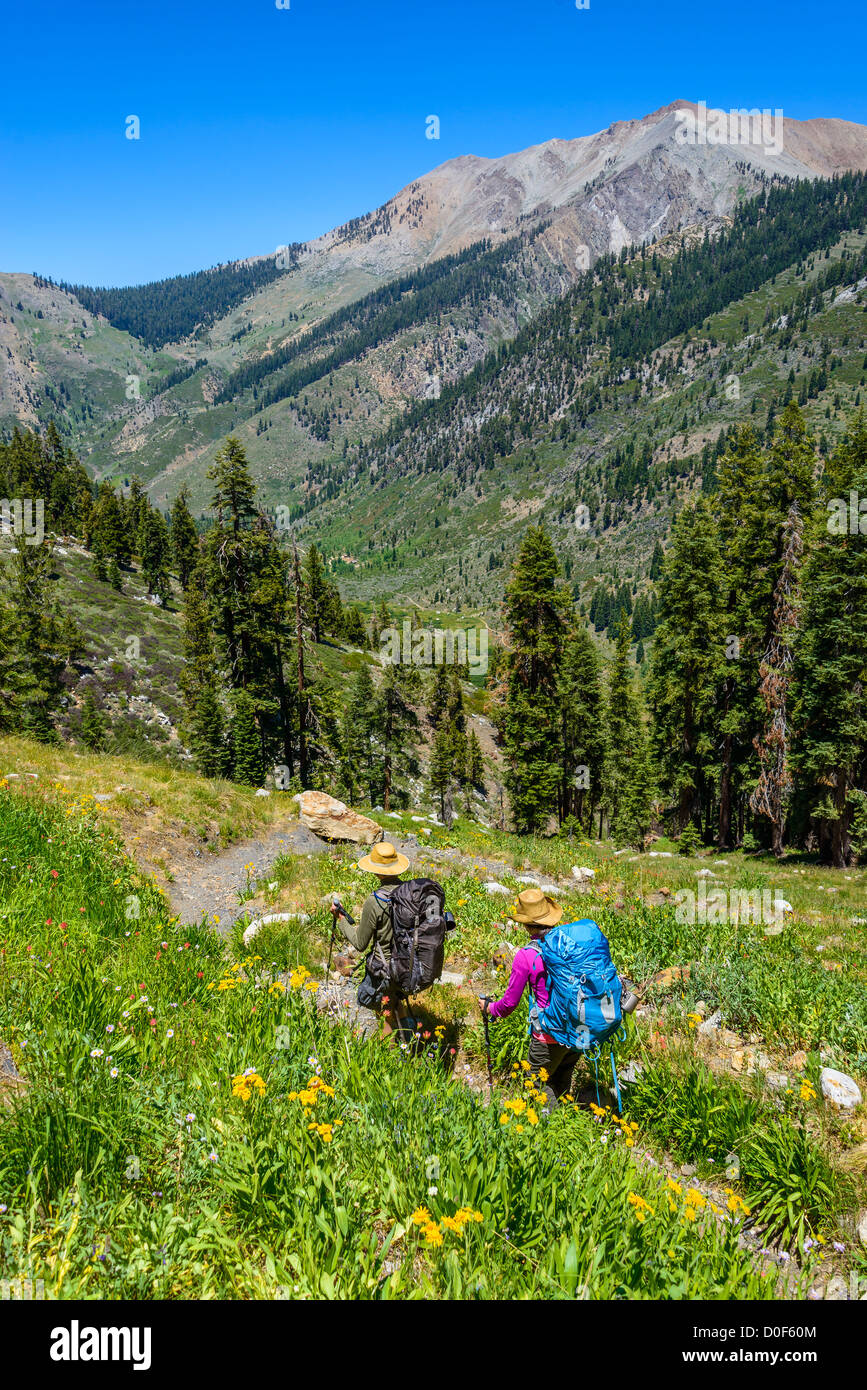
[[375, 918]]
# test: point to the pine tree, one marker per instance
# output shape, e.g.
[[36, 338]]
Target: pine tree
[[208, 735], [688, 664], [441, 774], [184, 539], [37, 643], [246, 741], [743, 543], [626, 778], [92, 724], [318, 596], [354, 630], [773, 745], [830, 751], [153, 549], [535, 607], [438, 697], [397, 730], [361, 769], [582, 729], [114, 576]]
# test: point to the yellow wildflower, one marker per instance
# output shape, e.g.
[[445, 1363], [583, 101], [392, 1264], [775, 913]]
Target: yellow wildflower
[[421, 1217]]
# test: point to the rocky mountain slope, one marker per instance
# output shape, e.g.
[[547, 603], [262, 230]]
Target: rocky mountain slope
[[389, 311]]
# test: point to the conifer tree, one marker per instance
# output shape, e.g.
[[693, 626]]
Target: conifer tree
[[688, 662], [475, 761], [361, 771], [246, 741], [318, 595], [92, 724], [438, 697], [626, 778], [535, 609], [441, 773], [37, 643], [208, 734], [184, 539], [830, 752], [153, 549], [397, 730], [738, 505], [775, 782], [354, 630], [582, 729]]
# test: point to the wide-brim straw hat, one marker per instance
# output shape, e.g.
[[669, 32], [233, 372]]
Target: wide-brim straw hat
[[535, 909], [384, 860]]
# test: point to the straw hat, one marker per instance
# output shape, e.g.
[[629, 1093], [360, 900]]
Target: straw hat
[[384, 860], [535, 909]]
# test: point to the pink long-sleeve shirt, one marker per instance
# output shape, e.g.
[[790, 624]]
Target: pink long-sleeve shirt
[[527, 968]]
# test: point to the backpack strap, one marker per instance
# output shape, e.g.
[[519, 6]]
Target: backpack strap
[[376, 949]]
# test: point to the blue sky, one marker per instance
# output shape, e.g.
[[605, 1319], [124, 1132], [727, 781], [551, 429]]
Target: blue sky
[[262, 125]]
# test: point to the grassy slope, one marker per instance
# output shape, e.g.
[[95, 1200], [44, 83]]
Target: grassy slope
[[133, 1165], [696, 1099]]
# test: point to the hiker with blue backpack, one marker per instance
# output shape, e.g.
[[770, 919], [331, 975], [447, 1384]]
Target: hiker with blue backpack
[[574, 992]]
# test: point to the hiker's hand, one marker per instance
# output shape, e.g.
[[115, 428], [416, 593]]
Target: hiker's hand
[[335, 911]]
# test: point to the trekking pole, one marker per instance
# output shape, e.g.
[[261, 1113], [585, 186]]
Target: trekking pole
[[341, 912], [486, 999]]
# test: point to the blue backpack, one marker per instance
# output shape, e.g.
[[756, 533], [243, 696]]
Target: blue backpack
[[584, 990]]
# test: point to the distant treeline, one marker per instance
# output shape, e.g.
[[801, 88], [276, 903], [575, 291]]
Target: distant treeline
[[574, 357], [164, 311], [465, 277]]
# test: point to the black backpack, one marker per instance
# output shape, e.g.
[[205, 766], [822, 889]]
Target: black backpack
[[419, 927]]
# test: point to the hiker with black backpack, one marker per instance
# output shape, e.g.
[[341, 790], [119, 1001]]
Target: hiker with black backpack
[[575, 992], [405, 925]]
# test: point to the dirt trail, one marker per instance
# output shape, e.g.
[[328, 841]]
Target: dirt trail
[[216, 885]]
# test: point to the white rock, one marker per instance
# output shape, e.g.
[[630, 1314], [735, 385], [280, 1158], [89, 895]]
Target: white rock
[[551, 888], [395, 815], [255, 927], [660, 854], [492, 887], [527, 878], [262, 791], [583, 875], [839, 1089], [448, 977], [705, 873], [712, 1024], [273, 886], [862, 1228], [777, 1080]]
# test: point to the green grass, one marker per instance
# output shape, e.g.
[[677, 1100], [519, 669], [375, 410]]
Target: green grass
[[158, 1181]]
